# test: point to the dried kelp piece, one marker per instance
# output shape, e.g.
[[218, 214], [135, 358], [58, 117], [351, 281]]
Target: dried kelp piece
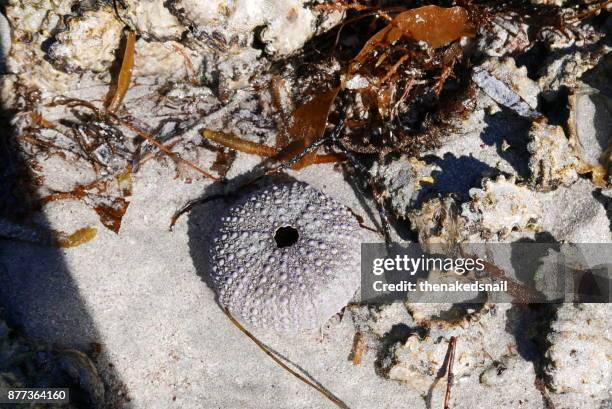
[[241, 145], [305, 128], [503, 94], [111, 209], [223, 162], [125, 74], [107, 197], [357, 349], [112, 214], [314, 159], [42, 236], [307, 123], [253, 148], [79, 237], [436, 26]]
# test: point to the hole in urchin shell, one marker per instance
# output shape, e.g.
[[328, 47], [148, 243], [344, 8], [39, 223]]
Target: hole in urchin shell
[[286, 236]]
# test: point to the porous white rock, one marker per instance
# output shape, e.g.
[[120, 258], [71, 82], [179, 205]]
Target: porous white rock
[[553, 161], [404, 179], [89, 43], [152, 19], [564, 69], [286, 283], [591, 131], [168, 60], [417, 361], [285, 24], [506, 371], [32, 23], [579, 355], [437, 221], [37, 16], [505, 35], [293, 19], [500, 207]]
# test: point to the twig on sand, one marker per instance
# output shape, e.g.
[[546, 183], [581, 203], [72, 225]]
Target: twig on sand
[[276, 359], [541, 387], [449, 371], [163, 148]]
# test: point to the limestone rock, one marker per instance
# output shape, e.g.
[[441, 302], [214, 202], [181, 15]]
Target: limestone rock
[[579, 355], [500, 207], [552, 162], [89, 43], [591, 132]]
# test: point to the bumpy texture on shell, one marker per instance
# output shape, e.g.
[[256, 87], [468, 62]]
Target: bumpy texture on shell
[[294, 287]]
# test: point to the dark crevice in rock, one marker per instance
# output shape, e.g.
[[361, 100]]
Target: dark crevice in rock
[[396, 336], [531, 324]]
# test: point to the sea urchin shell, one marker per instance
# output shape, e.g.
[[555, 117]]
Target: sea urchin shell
[[286, 257]]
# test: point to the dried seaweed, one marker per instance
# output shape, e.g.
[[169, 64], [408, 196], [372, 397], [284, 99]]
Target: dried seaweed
[[238, 144], [223, 162], [241, 145], [161, 147], [436, 26], [124, 77], [106, 197], [403, 69], [307, 125], [40, 121], [401, 91], [382, 60], [308, 122], [357, 349], [77, 238], [111, 215]]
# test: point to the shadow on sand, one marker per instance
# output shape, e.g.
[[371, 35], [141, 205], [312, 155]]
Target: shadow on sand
[[38, 297]]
